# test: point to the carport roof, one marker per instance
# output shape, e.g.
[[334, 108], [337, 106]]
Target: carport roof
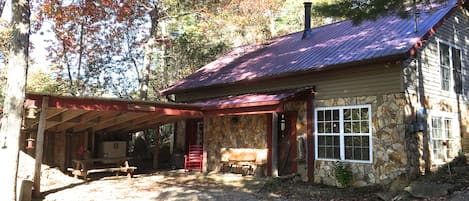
[[105, 115]]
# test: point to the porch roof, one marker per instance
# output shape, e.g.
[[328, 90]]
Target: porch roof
[[106, 115], [262, 102]]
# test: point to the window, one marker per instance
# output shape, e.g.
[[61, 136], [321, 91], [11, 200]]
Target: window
[[450, 63], [343, 133], [443, 133]]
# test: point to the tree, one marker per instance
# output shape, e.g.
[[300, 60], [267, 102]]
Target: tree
[[14, 98], [359, 10], [90, 39], [2, 6]]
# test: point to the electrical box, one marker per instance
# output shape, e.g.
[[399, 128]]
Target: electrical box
[[113, 149]]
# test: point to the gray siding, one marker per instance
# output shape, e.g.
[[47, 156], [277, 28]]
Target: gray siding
[[347, 82], [454, 32]]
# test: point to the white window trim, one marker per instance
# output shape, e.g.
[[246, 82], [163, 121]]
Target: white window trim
[[455, 131], [451, 76], [341, 134]]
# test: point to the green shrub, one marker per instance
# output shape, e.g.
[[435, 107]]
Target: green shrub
[[343, 174]]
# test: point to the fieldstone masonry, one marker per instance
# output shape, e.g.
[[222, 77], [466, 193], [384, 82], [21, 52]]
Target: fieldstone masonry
[[244, 131], [391, 116], [397, 149]]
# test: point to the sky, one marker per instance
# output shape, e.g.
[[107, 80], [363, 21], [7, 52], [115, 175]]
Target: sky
[[39, 53]]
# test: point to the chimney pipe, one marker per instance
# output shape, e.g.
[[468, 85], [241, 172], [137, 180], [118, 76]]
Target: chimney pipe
[[307, 30]]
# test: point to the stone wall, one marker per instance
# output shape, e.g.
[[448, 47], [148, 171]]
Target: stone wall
[[391, 116], [419, 143], [244, 131]]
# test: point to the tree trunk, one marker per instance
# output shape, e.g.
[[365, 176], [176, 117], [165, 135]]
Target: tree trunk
[[148, 57], [14, 99], [2, 6]]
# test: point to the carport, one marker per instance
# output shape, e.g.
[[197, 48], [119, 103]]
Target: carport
[[62, 122]]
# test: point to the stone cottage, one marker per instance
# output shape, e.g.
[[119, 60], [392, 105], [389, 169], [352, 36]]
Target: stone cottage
[[387, 97]]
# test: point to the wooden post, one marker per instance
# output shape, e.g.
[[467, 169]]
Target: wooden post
[[205, 145], [309, 136], [274, 144], [93, 143], [40, 146], [268, 166], [156, 150], [85, 139]]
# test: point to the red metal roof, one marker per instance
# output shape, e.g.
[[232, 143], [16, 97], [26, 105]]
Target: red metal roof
[[250, 100], [329, 45]]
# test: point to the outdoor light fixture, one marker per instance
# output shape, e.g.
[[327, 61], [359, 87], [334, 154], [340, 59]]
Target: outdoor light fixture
[[30, 141], [31, 111]]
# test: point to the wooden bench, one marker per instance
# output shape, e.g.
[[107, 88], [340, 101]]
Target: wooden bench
[[245, 159], [85, 167], [193, 159]]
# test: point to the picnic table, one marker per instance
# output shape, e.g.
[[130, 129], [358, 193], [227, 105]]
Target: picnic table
[[83, 167]]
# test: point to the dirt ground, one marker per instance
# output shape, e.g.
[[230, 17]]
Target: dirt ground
[[177, 185], [164, 185]]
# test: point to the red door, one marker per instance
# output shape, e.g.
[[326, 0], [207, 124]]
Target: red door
[[194, 132], [287, 155]]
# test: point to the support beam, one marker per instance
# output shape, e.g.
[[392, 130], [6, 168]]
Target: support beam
[[268, 166], [309, 136], [156, 150], [274, 144], [70, 114], [118, 120], [149, 118], [205, 156], [40, 146]]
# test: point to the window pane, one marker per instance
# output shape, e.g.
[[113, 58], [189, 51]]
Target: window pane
[[444, 78], [321, 140], [337, 152], [365, 127], [328, 116], [320, 127], [347, 114], [349, 153], [447, 130], [365, 141], [335, 114], [366, 154], [347, 127], [321, 152], [457, 71], [437, 144], [456, 59], [348, 141], [364, 114], [335, 127], [357, 154], [355, 114], [357, 141], [436, 127], [444, 54], [329, 141], [329, 152], [327, 128], [336, 141], [320, 115], [356, 127]]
